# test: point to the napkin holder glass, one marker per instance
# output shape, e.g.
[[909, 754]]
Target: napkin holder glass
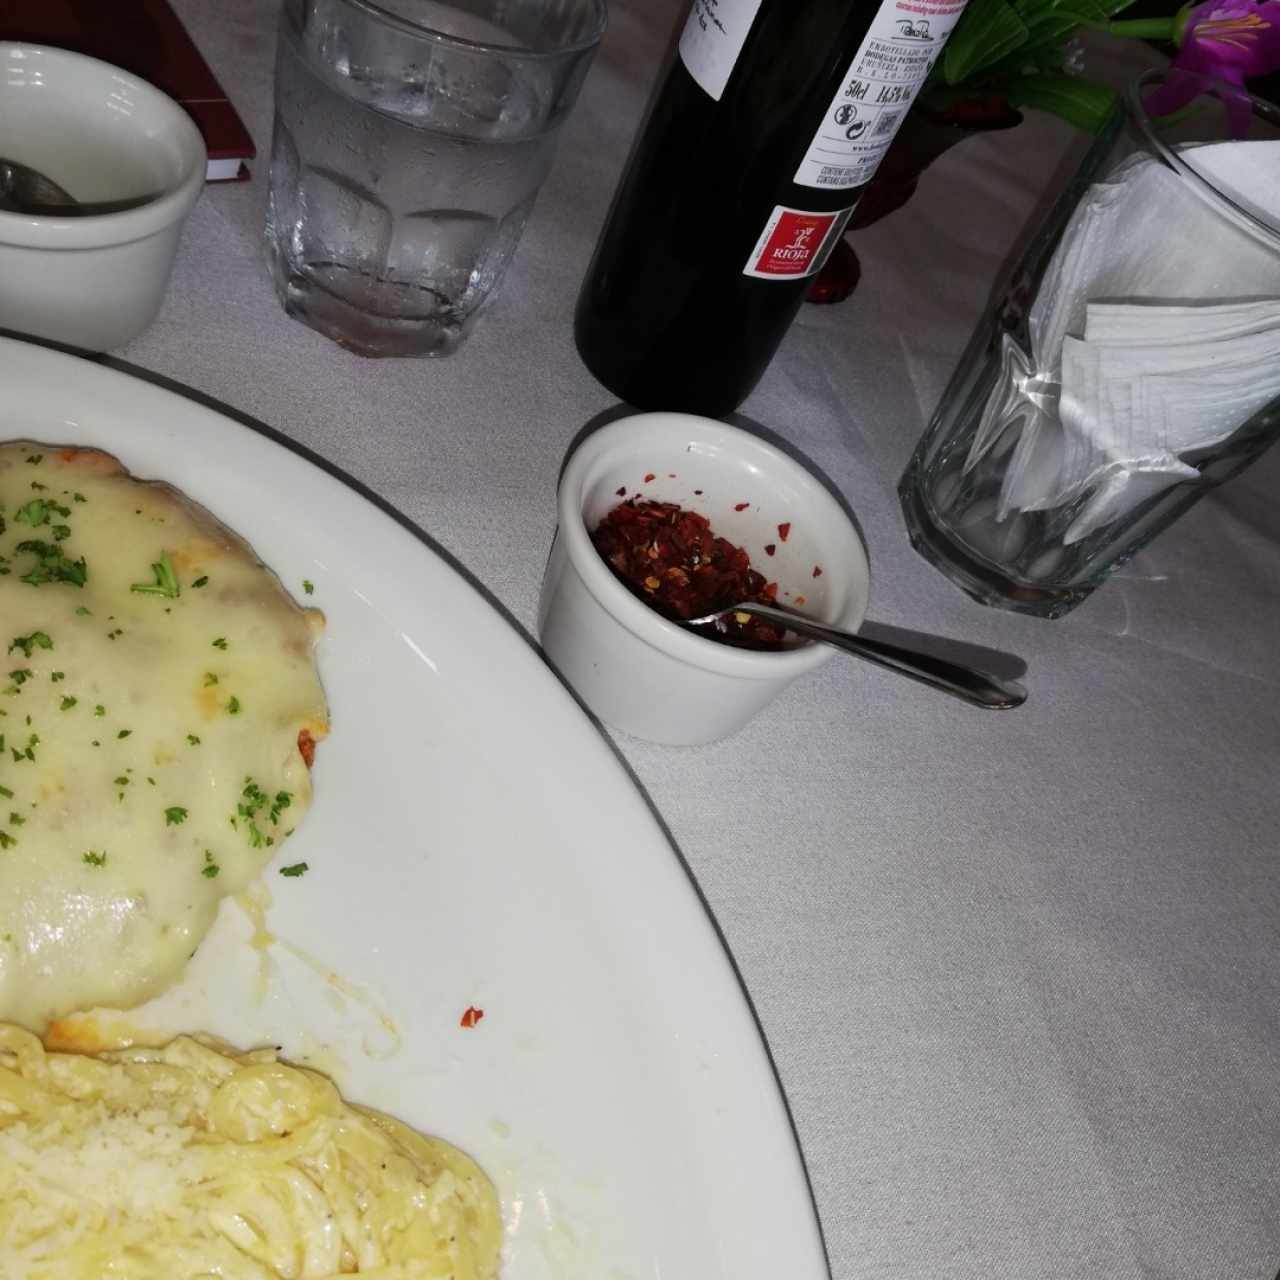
[[1078, 424]]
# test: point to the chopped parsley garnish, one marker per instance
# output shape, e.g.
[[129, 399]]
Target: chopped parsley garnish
[[233, 706], [297, 869], [253, 800], [36, 640], [52, 566], [210, 868], [56, 676], [220, 642], [4, 791], [67, 703], [99, 710], [308, 586], [124, 733], [79, 497], [84, 613], [202, 581], [17, 820], [34, 513], [254, 797], [166, 581], [175, 816], [6, 840], [21, 676], [254, 836], [95, 859], [35, 459], [193, 740], [209, 678]]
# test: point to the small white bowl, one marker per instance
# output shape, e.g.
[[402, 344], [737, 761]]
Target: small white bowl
[[632, 667], [105, 137]]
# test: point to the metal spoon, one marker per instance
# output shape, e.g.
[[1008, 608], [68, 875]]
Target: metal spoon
[[27, 190], [966, 683]]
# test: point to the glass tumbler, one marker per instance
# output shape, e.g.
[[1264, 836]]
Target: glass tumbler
[[411, 138], [1130, 362]]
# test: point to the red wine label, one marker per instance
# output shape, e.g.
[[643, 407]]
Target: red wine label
[[903, 42], [794, 243], [713, 37]]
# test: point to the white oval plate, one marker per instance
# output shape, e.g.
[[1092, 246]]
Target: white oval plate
[[474, 842]]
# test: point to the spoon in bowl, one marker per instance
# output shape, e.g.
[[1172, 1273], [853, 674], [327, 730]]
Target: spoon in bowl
[[27, 190], [966, 683]]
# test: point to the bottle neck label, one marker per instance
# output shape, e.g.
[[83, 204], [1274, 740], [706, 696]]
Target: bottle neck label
[[794, 243], [905, 39], [713, 38]]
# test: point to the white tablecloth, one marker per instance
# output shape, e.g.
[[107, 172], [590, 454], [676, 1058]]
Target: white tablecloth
[[1018, 971]]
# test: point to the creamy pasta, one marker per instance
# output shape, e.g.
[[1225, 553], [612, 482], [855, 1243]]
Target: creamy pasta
[[188, 1161]]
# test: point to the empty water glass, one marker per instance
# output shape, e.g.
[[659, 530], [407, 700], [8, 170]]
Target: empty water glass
[[411, 138], [1130, 363]]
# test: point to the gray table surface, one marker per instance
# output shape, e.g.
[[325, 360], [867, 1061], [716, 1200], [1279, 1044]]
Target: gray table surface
[[1018, 972]]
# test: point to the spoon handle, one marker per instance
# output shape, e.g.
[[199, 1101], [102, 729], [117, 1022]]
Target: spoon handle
[[962, 682]]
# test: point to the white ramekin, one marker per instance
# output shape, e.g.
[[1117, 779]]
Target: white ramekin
[[105, 137], [633, 668]]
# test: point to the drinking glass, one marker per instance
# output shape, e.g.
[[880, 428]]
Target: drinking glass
[[1123, 369], [411, 138]]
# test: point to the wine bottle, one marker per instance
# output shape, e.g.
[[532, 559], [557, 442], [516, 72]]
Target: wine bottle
[[772, 118]]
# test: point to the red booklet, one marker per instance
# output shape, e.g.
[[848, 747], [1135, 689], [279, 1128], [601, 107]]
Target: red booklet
[[147, 38]]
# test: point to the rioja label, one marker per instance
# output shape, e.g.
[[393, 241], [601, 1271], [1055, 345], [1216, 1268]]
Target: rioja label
[[905, 39], [713, 37], [794, 243]]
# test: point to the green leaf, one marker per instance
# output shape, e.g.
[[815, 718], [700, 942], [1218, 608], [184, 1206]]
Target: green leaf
[[1052, 24], [989, 30], [1097, 10], [1049, 24], [1079, 102]]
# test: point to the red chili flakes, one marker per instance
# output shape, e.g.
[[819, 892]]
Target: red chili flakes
[[306, 747], [799, 602], [649, 477], [784, 530], [470, 1017], [621, 492], [817, 571], [676, 564], [770, 548], [741, 506]]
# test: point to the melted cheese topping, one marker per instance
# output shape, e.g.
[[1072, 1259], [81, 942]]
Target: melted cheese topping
[[187, 1162], [155, 681]]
